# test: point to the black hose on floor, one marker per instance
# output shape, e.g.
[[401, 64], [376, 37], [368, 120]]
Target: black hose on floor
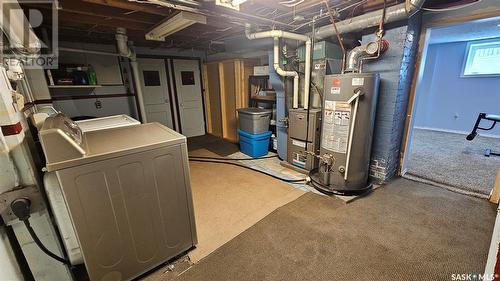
[[331, 191], [246, 167], [236, 159]]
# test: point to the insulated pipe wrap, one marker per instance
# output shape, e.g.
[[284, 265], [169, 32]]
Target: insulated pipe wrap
[[393, 14]]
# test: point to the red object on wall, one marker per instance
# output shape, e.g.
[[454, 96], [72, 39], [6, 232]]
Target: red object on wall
[[496, 271], [14, 129]]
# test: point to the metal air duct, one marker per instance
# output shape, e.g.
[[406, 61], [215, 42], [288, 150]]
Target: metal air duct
[[395, 13]]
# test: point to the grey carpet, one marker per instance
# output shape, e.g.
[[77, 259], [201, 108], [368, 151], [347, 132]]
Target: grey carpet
[[449, 159], [402, 231]]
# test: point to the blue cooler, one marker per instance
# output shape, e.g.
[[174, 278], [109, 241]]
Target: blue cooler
[[254, 145]]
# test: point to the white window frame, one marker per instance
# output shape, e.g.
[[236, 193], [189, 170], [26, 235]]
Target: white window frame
[[466, 58]]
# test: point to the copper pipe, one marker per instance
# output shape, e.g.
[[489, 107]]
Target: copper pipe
[[341, 43]]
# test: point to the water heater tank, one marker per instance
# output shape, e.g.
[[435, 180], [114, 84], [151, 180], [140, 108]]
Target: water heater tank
[[349, 105]]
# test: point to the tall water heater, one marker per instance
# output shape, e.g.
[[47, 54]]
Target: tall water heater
[[349, 105]]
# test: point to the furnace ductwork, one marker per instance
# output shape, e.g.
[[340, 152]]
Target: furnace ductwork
[[370, 50], [395, 13]]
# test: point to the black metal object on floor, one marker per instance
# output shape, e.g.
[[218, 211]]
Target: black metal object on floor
[[332, 190], [484, 116]]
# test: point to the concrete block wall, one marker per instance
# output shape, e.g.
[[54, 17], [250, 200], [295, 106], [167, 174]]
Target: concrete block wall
[[396, 69]]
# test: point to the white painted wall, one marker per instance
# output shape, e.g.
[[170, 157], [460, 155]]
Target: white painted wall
[[10, 269]]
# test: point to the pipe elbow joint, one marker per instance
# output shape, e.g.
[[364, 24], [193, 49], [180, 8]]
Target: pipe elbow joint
[[282, 72], [413, 6], [353, 58]]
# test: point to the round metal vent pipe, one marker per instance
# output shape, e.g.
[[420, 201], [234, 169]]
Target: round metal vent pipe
[[395, 13]]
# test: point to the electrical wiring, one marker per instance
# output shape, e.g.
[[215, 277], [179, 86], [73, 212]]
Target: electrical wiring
[[21, 208], [41, 246], [320, 92], [339, 39], [293, 181], [292, 3]]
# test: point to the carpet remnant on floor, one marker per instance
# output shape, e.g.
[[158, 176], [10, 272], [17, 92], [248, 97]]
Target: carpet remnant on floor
[[213, 144], [403, 231], [228, 200], [274, 167], [449, 159]]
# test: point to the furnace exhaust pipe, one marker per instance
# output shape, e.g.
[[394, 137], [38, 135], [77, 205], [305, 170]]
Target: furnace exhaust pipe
[[276, 34]]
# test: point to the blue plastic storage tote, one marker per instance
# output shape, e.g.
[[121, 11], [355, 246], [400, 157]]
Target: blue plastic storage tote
[[254, 145]]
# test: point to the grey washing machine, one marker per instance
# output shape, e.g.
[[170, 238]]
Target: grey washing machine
[[127, 191]]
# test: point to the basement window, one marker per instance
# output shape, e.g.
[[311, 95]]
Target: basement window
[[482, 58]]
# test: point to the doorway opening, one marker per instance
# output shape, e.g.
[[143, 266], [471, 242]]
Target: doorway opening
[[459, 78]]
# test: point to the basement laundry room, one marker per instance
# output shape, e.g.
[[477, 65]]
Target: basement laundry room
[[185, 140]]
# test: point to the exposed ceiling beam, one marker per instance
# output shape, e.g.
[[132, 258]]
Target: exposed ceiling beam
[[310, 3], [306, 6], [87, 19], [223, 13], [272, 5], [91, 10], [133, 6]]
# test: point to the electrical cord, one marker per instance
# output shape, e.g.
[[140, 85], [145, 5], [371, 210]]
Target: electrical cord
[[250, 168], [21, 208], [41, 246]]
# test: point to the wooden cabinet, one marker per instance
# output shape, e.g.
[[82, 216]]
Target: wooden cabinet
[[226, 90]]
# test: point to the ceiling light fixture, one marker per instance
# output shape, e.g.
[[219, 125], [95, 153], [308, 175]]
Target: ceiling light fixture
[[232, 4], [174, 24], [238, 2]]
